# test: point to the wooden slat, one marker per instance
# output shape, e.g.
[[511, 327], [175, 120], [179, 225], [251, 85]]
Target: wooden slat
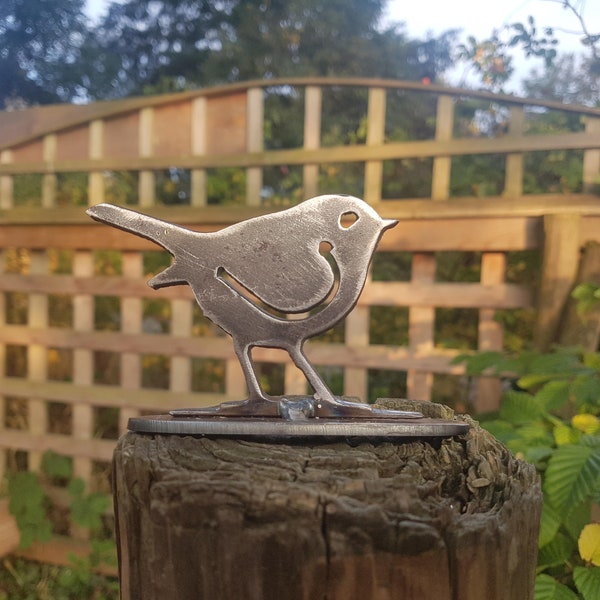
[[490, 331], [6, 182], [255, 144], [83, 362], [106, 395], [37, 362], [50, 119], [440, 181], [112, 341], [131, 325], [313, 99], [146, 190], [375, 137], [449, 295], [430, 235], [49, 180], [36, 445], [180, 378], [350, 153], [214, 217], [513, 179], [591, 158], [198, 183], [394, 358], [356, 337], [3, 461], [421, 322], [96, 151]]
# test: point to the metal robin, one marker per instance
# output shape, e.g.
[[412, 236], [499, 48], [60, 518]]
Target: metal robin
[[273, 281]]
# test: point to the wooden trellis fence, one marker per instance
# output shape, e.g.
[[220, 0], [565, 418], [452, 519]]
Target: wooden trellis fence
[[57, 249]]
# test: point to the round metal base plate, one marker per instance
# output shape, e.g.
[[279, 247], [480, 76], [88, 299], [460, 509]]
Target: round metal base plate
[[280, 428]]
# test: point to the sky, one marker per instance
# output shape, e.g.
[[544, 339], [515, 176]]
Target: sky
[[478, 18]]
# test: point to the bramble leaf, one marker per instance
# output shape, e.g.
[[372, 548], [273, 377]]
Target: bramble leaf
[[556, 552], [549, 525], [547, 588], [587, 581], [520, 407], [572, 475]]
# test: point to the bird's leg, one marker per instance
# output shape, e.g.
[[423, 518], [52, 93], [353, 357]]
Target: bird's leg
[[258, 403], [326, 404]]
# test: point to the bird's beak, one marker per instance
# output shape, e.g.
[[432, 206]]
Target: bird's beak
[[388, 223]]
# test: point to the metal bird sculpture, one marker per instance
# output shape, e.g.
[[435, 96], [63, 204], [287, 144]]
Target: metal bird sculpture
[[273, 281]]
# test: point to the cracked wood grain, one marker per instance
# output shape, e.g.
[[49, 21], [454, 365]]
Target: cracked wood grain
[[226, 519]]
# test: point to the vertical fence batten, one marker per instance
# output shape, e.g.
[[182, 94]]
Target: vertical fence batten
[[313, 99], [96, 149], [146, 149], [49, 180], [375, 137], [591, 158], [6, 181], [131, 324], [442, 165], [255, 143], [198, 176], [421, 323], [513, 183]]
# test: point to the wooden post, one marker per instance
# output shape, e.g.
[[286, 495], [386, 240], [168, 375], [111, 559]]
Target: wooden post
[[222, 519], [577, 329], [561, 258]]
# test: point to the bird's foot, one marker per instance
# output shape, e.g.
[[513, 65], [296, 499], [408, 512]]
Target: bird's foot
[[251, 407], [340, 408]]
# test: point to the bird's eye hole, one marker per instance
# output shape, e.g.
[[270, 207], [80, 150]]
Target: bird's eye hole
[[325, 249], [348, 219]]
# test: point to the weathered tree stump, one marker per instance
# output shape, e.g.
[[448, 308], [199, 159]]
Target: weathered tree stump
[[226, 519]]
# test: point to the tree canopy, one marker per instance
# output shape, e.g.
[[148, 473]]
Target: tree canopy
[[39, 50], [50, 53]]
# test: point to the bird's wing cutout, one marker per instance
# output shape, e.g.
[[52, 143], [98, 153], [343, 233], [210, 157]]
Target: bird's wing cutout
[[288, 277]]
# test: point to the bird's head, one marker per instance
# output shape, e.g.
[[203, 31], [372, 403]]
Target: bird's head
[[349, 225]]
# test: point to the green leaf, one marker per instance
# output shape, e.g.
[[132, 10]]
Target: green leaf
[[55, 465], [575, 518], [556, 552], [572, 475], [519, 408], [547, 588], [563, 435], [538, 454], [549, 525], [553, 395], [475, 364], [586, 390], [503, 430], [76, 488], [587, 581], [87, 510]]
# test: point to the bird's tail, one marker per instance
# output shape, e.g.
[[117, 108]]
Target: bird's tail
[[171, 237]]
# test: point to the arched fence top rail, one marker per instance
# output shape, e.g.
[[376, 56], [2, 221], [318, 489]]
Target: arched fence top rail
[[56, 118]]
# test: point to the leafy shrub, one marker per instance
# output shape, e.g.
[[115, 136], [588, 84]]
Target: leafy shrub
[[550, 418], [30, 504]]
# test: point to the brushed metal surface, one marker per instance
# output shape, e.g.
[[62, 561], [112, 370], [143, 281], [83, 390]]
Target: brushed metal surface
[[279, 428]]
